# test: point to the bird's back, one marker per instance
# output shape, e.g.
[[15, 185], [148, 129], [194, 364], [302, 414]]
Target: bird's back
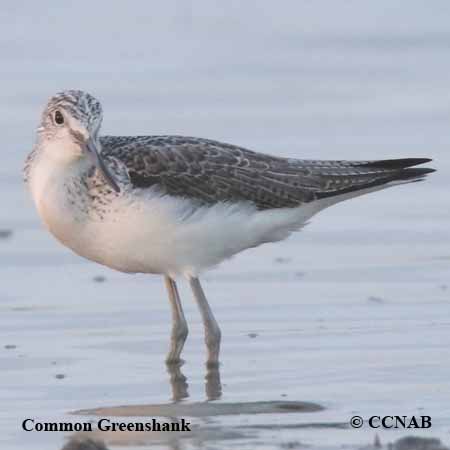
[[210, 172]]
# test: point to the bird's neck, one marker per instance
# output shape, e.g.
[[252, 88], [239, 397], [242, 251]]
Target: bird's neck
[[62, 151], [52, 166]]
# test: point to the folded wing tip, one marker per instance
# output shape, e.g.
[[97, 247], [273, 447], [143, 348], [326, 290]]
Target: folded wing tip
[[396, 164]]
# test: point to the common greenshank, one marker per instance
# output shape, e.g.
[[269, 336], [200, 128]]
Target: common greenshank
[[175, 205]]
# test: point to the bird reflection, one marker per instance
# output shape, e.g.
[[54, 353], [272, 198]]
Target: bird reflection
[[179, 384], [179, 387]]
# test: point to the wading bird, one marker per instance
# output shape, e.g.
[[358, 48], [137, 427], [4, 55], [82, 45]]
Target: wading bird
[[175, 205]]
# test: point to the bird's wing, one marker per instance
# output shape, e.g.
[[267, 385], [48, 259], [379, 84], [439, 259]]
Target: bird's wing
[[211, 171]]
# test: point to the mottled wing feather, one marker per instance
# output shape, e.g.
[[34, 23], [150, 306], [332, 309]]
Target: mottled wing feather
[[211, 171]]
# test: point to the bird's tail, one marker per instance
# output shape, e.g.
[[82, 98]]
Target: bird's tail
[[353, 178]]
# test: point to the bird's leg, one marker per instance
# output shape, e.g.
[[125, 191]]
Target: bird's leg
[[179, 325], [212, 330]]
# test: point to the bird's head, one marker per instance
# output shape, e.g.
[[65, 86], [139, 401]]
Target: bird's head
[[69, 130]]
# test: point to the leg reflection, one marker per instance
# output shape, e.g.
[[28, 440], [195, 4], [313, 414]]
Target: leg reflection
[[213, 385], [178, 382]]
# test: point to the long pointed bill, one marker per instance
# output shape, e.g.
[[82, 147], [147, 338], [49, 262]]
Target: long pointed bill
[[95, 152]]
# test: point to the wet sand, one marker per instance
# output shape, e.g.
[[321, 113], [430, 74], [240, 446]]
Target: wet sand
[[348, 317]]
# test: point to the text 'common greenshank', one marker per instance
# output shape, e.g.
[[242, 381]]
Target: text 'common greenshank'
[[175, 205]]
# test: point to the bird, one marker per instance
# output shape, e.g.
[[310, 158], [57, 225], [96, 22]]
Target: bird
[[178, 206]]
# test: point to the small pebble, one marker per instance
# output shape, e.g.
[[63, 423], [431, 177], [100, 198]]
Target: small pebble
[[377, 442], [5, 234], [10, 346], [84, 443], [374, 299], [291, 445], [60, 376], [22, 308], [418, 443], [99, 279], [282, 260], [252, 335]]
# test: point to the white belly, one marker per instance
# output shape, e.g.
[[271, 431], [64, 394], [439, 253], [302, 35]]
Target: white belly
[[145, 232], [126, 238]]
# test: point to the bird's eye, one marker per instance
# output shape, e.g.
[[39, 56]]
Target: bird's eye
[[59, 118]]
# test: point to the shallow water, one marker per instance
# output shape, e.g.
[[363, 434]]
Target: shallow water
[[351, 314]]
